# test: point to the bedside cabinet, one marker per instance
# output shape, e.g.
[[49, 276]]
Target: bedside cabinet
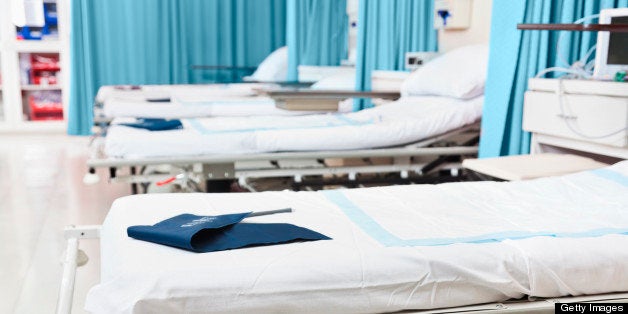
[[582, 115]]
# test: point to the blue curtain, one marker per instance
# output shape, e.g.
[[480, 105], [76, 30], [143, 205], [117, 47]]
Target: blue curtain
[[517, 55], [157, 41], [317, 33], [386, 31]]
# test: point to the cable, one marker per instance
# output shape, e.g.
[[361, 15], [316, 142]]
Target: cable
[[588, 54], [575, 71], [561, 58], [568, 119], [578, 69]]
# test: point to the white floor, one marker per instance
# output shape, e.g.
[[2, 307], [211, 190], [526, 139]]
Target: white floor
[[41, 191]]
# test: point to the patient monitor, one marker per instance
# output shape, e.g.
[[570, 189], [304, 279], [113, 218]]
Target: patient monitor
[[611, 55]]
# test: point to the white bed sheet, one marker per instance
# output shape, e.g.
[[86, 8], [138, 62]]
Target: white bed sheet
[[404, 121], [187, 101], [356, 272]]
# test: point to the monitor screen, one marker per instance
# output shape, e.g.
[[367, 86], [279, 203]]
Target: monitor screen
[[618, 43]]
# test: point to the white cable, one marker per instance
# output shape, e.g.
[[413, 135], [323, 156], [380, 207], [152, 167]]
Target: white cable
[[589, 67], [561, 58], [588, 54], [581, 64], [586, 18], [575, 71], [560, 94]]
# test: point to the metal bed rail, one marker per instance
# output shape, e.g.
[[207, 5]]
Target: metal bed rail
[[230, 158]]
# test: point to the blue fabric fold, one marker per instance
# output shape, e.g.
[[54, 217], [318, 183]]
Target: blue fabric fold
[[204, 234], [155, 124]]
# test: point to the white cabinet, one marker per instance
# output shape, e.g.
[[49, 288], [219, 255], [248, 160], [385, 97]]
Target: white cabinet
[[588, 116], [35, 96]]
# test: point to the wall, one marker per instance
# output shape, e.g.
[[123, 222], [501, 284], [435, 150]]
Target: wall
[[476, 34], [352, 13]]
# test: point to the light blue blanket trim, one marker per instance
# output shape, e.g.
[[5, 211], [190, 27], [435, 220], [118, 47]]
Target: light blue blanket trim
[[341, 121], [377, 232], [612, 176]]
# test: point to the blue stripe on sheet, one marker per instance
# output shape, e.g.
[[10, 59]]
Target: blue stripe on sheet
[[384, 237], [612, 176], [360, 218], [341, 120]]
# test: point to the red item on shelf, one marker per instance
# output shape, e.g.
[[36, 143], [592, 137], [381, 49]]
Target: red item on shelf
[[44, 78], [44, 109], [44, 69], [45, 62]]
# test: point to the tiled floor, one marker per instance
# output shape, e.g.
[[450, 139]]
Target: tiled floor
[[41, 191]]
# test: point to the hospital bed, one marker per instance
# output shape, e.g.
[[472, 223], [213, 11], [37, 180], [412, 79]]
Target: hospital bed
[[241, 148], [439, 111], [204, 100], [207, 100], [480, 247], [180, 101]]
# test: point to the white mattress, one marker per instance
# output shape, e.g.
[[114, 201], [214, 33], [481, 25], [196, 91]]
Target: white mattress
[[375, 262], [404, 121], [187, 101]]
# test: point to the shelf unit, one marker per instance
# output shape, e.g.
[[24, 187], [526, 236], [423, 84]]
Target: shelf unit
[[14, 108], [33, 87]]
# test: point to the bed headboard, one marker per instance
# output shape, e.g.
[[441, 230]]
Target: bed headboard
[[477, 33]]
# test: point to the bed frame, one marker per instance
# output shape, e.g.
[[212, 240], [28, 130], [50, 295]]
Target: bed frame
[[74, 234], [217, 170]]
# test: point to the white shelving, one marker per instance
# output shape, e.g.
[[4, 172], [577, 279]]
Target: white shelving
[[13, 117], [32, 87], [50, 45]]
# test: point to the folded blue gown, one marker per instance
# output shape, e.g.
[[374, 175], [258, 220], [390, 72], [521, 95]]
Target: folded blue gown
[[155, 124], [203, 234]]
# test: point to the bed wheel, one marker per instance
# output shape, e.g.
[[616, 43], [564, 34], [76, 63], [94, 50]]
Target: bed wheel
[[218, 186], [81, 258], [91, 179]]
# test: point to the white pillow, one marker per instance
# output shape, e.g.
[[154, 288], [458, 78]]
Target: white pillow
[[274, 68], [460, 73], [344, 80]]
